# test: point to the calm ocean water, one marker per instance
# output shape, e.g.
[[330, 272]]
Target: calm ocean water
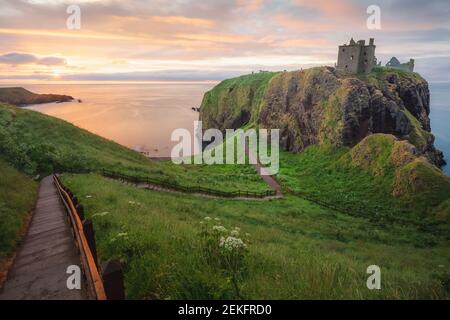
[[140, 116], [143, 116], [440, 118]]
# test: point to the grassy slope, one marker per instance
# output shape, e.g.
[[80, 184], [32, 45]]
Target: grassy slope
[[298, 250], [230, 97], [17, 197], [37, 144], [374, 177]]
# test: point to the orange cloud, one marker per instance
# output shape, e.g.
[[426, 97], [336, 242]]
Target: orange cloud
[[217, 37], [249, 5], [183, 20], [66, 34], [332, 9], [303, 43]]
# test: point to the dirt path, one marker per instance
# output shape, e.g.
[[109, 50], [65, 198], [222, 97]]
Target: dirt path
[[39, 270], [271, 182]]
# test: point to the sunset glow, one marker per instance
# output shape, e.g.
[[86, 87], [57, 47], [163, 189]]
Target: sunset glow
[[185, 40]]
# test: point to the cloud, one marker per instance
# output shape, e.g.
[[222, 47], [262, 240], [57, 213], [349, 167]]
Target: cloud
[[15, 59], [52, 61], [134, 35], [249, 5], [183, 21]]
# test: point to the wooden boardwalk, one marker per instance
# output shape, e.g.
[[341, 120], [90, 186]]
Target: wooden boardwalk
[[39, 270]]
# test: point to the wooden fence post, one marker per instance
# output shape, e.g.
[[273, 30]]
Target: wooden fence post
[[80, 210], [113, 280], [88, 229]]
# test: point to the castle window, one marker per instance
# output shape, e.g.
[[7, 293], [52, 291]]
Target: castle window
[[343, 50], [351, 58]]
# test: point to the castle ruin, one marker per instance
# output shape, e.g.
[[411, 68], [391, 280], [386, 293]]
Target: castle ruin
[[357, 57], [395, 63]]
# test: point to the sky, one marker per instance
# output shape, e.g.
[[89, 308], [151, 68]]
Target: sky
[[211, 40]]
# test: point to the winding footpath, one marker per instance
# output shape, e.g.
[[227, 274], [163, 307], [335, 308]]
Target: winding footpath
[[263, 172], [39, 269]]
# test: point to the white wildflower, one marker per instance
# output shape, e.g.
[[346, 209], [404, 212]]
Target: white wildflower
[[122, 234], [221, 242], [207, 218], [232, 243], [88, 196], [234, 233], [217, 219], [220, 228]]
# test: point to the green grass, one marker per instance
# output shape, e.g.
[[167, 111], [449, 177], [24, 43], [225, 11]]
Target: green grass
[[379, 72], [298, 250], [17, 197], [237, 99], [315, 172], [366, 179], [38, 144]]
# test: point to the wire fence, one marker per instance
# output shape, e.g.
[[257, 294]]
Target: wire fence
[[188, 189], [352, 209]]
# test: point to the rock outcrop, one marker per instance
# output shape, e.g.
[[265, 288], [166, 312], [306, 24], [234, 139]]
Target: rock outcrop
[[22, 97], [323, 105]]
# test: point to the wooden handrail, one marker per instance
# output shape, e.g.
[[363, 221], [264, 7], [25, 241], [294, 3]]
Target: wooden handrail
[[95, 282]]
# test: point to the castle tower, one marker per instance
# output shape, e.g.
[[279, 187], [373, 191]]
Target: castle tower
[[357, 57]]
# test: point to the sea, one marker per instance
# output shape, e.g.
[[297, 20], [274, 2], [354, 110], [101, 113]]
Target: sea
[[142, 116]]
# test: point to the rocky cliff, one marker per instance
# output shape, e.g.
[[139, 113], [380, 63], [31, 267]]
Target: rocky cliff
[[21, 97], [322, 105]]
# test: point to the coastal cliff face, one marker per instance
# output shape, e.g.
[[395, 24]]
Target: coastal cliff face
[[322, 105]]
